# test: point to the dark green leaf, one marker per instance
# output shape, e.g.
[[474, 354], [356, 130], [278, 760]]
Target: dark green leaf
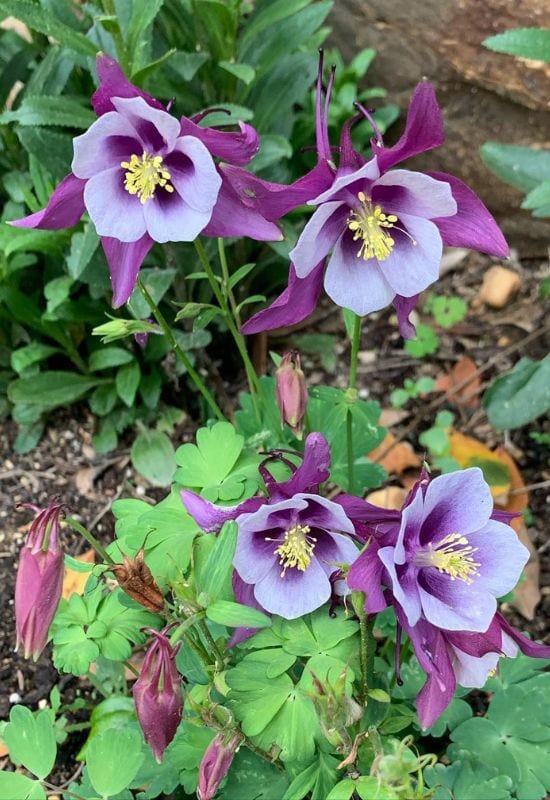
[[521, 395], [523, 167], [235, 615], [153, 455], [526, 42], [41, 20]]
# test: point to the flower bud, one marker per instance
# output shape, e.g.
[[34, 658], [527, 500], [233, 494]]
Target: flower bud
[[215, 764], [157, 694], [135, 578], [39, 580], [291, 392]]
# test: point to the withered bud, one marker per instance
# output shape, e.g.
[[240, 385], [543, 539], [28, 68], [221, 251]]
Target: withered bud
[[135, 578]]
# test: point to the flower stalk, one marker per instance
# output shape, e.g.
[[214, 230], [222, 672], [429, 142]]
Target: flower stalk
[[90, 538], [352, 385]]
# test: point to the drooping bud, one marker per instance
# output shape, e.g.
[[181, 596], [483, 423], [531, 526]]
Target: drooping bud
[[135, 578], [292, 392], [39, 581], [157, 693], [336, 709], [215, 763]]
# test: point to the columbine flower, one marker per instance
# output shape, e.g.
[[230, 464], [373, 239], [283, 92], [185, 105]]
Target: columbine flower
[[288, 544], [39, 581], [157, 693], [386, 229], [144, 176], [291, 392], [215, 763]]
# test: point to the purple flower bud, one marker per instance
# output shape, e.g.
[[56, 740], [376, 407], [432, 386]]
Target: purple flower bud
[[157, 694], [39, 580], [291, 392], [215, 764]]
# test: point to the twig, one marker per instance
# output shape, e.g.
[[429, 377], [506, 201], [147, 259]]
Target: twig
[[530, 487], [460, 385]]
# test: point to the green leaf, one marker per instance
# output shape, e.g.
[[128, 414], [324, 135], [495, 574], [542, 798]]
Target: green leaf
[[157, 282], [14, 785], [525, 42], [152, 454], [60, 111], [30, 354], [44, 21], [523, 167], [244, 72], [464, 781], [83, 247], [50, 389], [113, 759], [127, 382], [538, 197], [447, 311], [31, 740], [137, 35], [188, 64], [107, 357], [235, 615], [57, 145], [274, 150], [252, 776], [231, 115], [218, 568], [426, 342], [519, 396]]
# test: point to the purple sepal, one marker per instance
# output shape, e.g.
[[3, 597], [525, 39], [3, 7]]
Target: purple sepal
[[403, 307], [293, 305], [233, 217], [209, 517], [274, 200], [215, 763], [64, 209], [244, 594], [125, 260], [530, 648], [314, 470], [157, 693], [114, 83], [439, 689], [472, 226], [235, 147], [423, 130], [505, 516]]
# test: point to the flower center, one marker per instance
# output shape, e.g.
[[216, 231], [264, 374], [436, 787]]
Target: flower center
[[296, 548], [144, 175], [452, 555], [370, 225]]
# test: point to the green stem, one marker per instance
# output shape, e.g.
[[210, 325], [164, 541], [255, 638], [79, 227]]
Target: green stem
[[251, 376], [110, 10], [90, 538], [214, 647], [371, 648], [363, 654], [352, 385], [193, 374], [227, 287]]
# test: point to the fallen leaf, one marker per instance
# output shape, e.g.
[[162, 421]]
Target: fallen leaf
[[527, 593], [74, 582], [3, 750], [392, 416], [499, 286], [390, 497], [84, 481], [398, 459], [467, 396], [470, 452]]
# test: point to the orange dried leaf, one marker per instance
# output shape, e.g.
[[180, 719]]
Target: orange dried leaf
[[390, 497], [470, 452], [398, 459], [462, 371], [74, 582]]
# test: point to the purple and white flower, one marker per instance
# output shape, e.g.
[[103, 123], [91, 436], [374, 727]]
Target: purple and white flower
[[385, 229]]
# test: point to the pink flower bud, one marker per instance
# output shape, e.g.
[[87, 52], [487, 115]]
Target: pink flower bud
[[157, 694], [39, 580], [291, 392], [215, 764]]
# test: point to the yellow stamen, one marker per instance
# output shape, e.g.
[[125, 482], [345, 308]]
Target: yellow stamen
[[296, 549], [452, 555], [144, 175], [370, 224]]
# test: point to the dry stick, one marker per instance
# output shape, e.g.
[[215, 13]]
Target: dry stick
[[528, 488], [457, 387]]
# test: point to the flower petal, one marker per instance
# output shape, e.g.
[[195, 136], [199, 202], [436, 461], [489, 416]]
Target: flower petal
[[235, 147], [125, 259], [472, 226], [501, 557], [459, 502], [314, 469], [439, 689], [455, 605], [296, 594], [423, 130], [294, 304], [403, 191], [193, 173], [231, 217], [244, 594], [413, 265], [353, 283], [323, 513], [170, 219], [473, 671], [114, 212], [64, 209], [368, 172], [404, 306], [365, 575], [99, 148], [404, 587], [156, 128], [319, 235], [530, 648], [113, 83]]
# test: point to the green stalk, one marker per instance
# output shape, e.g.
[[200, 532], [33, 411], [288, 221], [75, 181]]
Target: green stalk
[[222, 300], [193, 374], [90, 538], [228, 289], [214, 647], [352, 388]]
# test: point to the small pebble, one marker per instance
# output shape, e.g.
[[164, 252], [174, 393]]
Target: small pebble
[[15, 698]]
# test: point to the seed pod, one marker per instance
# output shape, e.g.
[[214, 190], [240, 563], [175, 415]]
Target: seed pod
[[135, 578]]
